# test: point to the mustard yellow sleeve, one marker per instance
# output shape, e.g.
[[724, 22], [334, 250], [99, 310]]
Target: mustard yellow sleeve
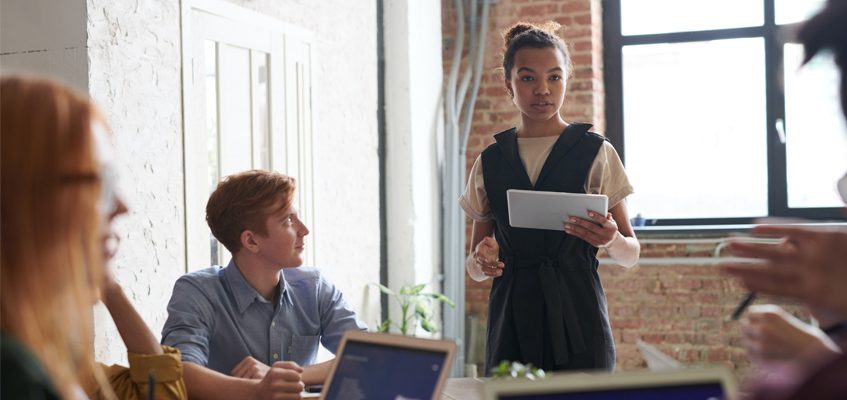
[[132, 383]]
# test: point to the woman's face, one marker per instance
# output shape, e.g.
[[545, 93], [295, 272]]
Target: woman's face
[[110, 204], [537, 82]]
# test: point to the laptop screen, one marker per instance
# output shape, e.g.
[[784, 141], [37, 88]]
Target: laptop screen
[[378, 371], [694, 391]]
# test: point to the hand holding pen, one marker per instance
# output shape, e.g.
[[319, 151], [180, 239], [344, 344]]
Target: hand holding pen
[[809, 264]]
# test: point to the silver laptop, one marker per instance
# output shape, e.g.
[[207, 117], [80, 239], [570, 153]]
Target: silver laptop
[[713, 383], [385, 366]]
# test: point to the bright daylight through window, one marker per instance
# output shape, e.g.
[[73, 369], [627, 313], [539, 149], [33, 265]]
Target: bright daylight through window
[[714, 118]]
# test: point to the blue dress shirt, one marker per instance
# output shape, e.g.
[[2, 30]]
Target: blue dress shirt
[[215, 318]]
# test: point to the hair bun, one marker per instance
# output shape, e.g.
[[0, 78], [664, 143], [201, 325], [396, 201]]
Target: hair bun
[[515, 30], [549, 27]]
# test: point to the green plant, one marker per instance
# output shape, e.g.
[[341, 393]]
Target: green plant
[[415, 308], [515, 369]]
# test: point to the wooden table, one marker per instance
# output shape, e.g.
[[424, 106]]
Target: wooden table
[[462, 389]]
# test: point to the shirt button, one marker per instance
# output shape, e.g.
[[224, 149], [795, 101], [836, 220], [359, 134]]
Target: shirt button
[[276, 356], [273, 323]]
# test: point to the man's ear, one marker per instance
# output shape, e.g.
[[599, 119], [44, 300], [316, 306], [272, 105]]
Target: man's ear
[[248, 241]]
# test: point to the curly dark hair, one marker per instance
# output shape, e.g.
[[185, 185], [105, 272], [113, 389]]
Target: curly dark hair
[[526, 34]]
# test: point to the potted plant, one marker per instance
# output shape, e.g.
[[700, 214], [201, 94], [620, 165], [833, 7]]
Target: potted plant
[[515, 369], [415, 309]]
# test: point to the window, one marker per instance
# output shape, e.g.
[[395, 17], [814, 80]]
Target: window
[[247, 103], [713, 117]]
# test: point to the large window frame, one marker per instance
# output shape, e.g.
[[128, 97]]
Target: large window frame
[[285, 127], [774, 37]]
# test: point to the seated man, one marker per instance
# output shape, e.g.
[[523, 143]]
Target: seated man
[[237, 324]]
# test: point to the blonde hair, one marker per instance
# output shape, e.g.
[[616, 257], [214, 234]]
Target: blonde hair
[[51, 259]]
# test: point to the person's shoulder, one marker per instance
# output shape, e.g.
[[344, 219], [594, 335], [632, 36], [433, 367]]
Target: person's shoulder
[[302, 273], [202, 278], [594, 136], [497, 137], [21, 373], [203, 274]]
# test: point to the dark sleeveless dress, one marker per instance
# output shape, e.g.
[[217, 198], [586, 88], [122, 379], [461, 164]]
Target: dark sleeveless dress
[[548, 308]]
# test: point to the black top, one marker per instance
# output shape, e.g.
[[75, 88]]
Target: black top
[[21, 373], [548, 308]]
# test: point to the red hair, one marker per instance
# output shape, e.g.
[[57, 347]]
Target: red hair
[[51, 261], [244, 201]]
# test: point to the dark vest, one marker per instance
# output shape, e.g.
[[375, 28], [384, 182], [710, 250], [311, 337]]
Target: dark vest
[[548, 308]]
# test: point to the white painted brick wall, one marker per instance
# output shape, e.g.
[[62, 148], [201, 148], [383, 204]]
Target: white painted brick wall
[[134, 76]]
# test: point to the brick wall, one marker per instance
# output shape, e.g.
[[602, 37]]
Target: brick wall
[[678, 306]]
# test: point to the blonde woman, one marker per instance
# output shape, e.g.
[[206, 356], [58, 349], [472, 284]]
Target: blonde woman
[[58, 202]]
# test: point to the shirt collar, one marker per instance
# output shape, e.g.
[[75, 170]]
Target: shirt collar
[[245, 294]]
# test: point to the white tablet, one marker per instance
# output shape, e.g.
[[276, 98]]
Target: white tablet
[[548, 210]]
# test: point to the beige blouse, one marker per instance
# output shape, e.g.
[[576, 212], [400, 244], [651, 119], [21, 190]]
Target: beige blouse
[[606, 176]]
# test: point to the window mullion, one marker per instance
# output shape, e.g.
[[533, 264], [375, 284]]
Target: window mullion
[[775, 111]]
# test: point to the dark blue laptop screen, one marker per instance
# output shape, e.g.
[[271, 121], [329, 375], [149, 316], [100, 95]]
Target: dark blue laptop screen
[[375, 371], [706, 391]]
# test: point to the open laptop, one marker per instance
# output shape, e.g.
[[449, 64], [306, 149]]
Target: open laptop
[[714, 383], [385, 366]]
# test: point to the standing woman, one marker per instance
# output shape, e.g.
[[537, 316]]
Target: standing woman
[[57, 206], [546, 306]]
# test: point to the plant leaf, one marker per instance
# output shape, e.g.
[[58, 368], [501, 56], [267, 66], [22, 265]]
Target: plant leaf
[[422, 309], [384, 289], [416, 289], [442, 298], [428, 326], [384, 327]]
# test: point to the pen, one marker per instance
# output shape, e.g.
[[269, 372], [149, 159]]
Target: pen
[[151, 385], [743, 305]]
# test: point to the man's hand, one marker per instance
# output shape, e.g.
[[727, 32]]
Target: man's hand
[[769, 333], [809, 265], [281, 382], [250, 368]]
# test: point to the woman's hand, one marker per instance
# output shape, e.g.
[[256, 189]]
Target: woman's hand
[[599, 231], [486, 257]]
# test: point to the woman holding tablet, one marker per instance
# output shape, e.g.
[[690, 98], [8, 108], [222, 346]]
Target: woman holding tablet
[[547, 306]]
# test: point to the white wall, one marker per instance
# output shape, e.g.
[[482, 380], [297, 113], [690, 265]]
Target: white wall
[[26, 45], [134, 75], [413, 85]]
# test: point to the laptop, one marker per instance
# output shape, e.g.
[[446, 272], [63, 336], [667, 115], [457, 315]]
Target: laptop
[[386, 366], [713, 383]]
